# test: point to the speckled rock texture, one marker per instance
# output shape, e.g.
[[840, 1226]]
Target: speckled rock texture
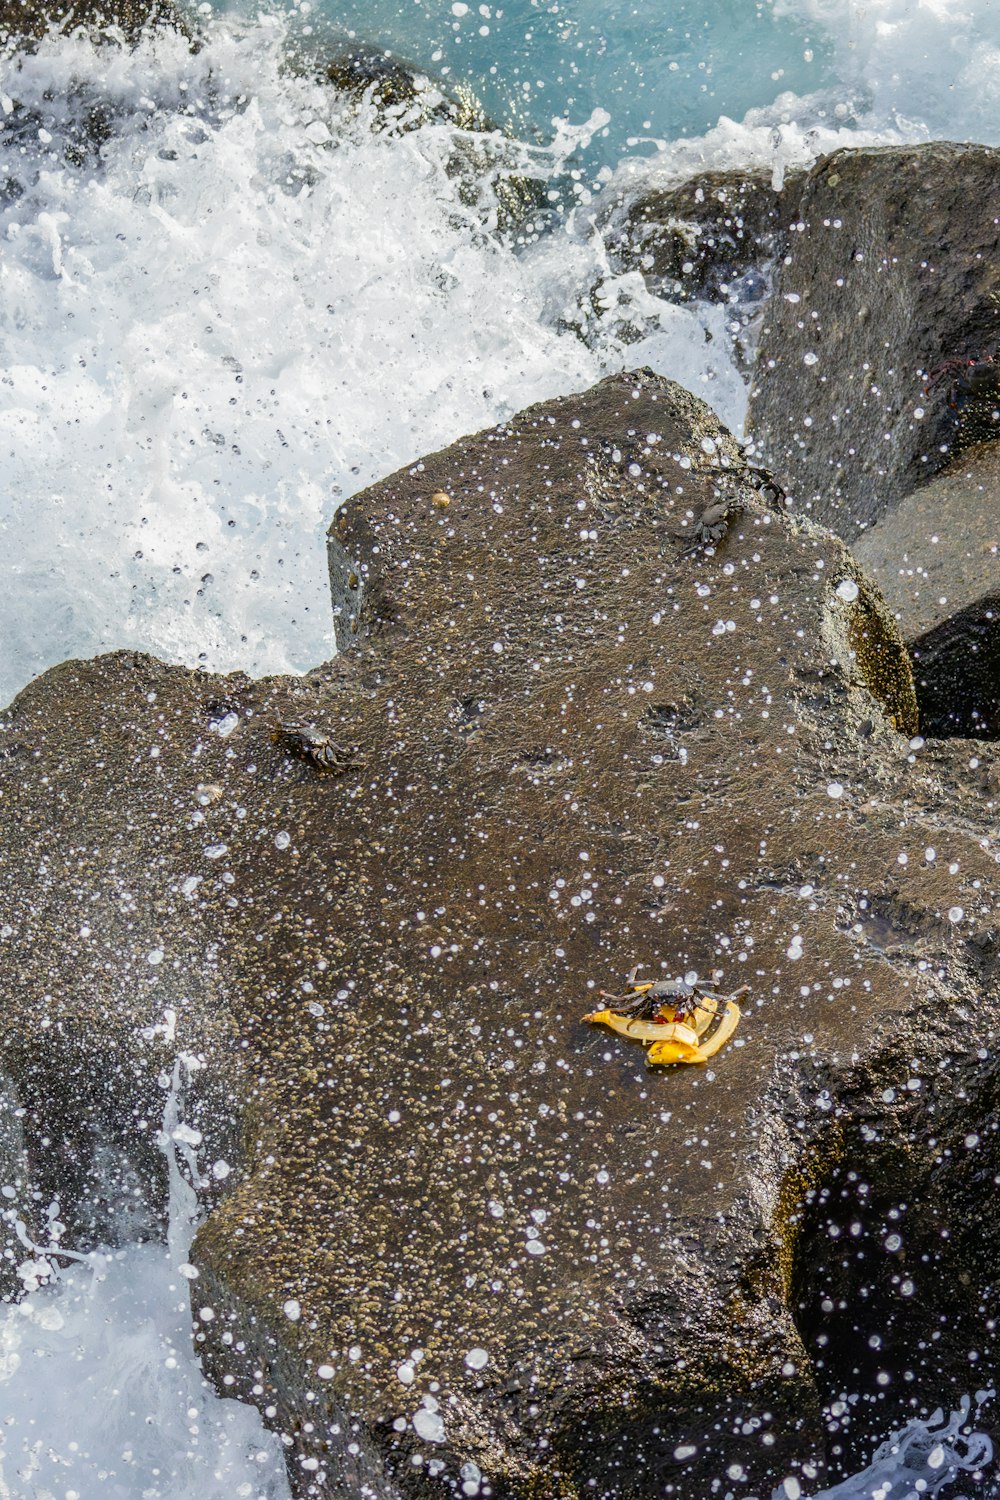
[[471, 1244], [935, 559], [889, 283], [21, 20]]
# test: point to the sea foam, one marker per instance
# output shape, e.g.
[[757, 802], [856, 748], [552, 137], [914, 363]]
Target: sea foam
[[244, 306], [101, 1394]]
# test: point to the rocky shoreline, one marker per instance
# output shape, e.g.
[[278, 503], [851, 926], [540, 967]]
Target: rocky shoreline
[[604, 695]]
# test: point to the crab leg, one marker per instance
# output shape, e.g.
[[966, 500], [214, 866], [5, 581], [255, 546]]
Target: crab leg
[[710, 1007]]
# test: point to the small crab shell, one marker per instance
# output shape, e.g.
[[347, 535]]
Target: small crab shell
[[309, 743]]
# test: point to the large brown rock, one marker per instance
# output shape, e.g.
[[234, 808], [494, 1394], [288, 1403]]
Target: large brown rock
[[888, 285], [571, 738]]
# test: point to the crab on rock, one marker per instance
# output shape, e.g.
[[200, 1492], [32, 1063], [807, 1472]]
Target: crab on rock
[[682, 1022]]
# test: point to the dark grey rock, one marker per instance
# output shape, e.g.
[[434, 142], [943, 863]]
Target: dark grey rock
[[888, 289], [365, 71], [935, 558], [699, 238]]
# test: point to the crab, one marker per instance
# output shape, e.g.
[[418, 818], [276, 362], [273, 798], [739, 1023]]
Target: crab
[[682, 1022], [767, 487], [712, 525], [311, 744], [973, 396], [971, 379]]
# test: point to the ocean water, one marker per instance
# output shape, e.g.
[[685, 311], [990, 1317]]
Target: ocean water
[[101, 1396], [230, 299]]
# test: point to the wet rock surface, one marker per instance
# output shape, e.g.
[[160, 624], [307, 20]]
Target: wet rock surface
[[701, 237], [472, 1244], [20, 22], [870, 371], [395, 84], [935, 559]]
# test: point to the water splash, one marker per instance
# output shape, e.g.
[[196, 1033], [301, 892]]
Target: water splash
[[923, 1459], [101, 1395], [228, 303]]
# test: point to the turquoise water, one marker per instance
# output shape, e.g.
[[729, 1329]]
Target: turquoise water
[[659, 71]]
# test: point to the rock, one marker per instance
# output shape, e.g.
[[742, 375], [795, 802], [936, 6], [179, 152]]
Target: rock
[[699, 238], [131, 17], [888, 289], [469, 1240], [935, 559], [394, 84]]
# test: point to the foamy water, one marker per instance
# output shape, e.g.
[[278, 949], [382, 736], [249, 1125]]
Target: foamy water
[[101, 1396], [249, 303], [921, 1460], [248, 308]]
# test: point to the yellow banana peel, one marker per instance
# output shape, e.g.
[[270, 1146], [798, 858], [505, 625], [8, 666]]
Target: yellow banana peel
[[678, 1037]]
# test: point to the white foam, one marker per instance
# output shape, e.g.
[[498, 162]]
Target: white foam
[[927, 68], [101, 1396], [896, 72], [919, 1461], [252, 307]]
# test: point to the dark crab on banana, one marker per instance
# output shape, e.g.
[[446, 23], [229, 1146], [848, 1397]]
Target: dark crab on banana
[[645, 998], [681, 1022], [308, 743]]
